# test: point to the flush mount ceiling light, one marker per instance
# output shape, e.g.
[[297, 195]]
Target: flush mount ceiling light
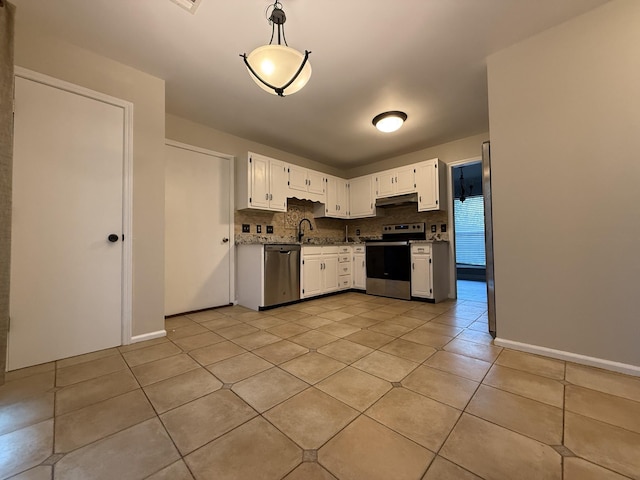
[[278, 69], [389, 121]]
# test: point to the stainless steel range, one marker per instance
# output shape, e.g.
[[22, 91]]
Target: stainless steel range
[[389, 260]]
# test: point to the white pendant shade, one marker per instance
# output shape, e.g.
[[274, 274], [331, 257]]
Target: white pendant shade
[[277, 65]]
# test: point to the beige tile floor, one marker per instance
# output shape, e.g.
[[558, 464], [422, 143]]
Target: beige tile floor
[[344, 387]]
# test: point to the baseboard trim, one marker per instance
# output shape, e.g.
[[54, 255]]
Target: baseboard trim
[[570, 357], [148, 336]]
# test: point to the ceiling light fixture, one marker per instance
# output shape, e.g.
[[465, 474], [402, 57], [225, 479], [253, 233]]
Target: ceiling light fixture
[[389, 121], [278, 69]]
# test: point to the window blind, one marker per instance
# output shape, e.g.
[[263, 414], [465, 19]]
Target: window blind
[[469, 231]]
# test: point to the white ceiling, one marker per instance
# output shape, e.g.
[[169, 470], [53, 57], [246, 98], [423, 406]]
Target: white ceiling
[[424, 57]]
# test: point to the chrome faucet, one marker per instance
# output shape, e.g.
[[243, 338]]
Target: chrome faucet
[[300, 232]]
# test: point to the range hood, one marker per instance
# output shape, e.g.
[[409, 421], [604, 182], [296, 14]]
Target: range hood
[[407, 199]]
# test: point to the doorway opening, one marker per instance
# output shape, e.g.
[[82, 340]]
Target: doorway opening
[[469, 231]]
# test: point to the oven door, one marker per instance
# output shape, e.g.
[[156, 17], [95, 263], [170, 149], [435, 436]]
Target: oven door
[[389, 269]]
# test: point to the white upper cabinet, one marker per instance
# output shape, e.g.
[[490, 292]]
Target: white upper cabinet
[[305, 184], [431, 180], [362, 202], [316, 183], [297, 178], [396, 182], [265, 183], [261, 184], [337, 202]]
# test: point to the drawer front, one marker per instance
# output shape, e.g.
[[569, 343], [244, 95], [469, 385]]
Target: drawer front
[[311, 250], [344, 258], [326, 250], [344, 249], [344, 269], [344, 281], [359, 249], [421, 249]]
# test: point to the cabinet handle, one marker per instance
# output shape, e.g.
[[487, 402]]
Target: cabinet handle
[[413, 266], [391, 179], [271, 196], [266, 196]]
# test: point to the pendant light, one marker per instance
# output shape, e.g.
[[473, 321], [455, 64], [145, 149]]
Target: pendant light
[[388, 122], [463, 190], [277, 68]]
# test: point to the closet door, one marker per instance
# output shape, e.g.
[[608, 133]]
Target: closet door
[[198, 229], [67, 228]]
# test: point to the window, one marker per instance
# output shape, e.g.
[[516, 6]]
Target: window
[[469, 231]]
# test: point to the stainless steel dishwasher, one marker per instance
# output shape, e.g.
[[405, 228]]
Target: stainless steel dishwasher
[[281, 274]]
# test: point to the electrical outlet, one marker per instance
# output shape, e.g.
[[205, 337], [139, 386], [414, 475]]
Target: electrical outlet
[[443, 227], [258, 228], [357, 232], [246, 228], [434, 228], [269, 228]]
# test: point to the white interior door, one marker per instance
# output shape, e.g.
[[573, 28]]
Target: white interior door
[[198, 227], [66, 276]]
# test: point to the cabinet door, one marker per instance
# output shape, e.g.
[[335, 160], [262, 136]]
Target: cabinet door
[[405, 180], [385, 183], [330, 273], [311, 276], [421, 276], [278, 186], [361, 201], [359, 272], [259, 173], [297, 178], [342, 193], [331, 207], [427, 181], [315, 182]]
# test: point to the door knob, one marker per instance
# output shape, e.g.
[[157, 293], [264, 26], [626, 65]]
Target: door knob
[[113, 238], [225, 240]]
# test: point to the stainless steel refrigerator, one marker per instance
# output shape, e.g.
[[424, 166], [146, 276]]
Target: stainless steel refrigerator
[[488, 236]]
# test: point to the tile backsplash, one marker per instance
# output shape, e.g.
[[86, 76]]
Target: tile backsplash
[[285, 224]]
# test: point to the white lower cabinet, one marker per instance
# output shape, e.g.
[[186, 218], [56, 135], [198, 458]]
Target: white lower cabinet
[[359, 268], [319, 272], [430, 271], [344, 267]]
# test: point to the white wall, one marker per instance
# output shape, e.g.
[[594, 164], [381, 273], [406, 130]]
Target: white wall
[[565, 137], [462, 149], [186, 131], [61, 60]]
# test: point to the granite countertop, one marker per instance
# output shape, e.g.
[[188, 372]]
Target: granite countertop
[[278, 240], [435, 238], [290, 241]]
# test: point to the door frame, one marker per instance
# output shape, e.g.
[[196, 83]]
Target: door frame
[[453, 276], [127, 183], [231, 179]]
